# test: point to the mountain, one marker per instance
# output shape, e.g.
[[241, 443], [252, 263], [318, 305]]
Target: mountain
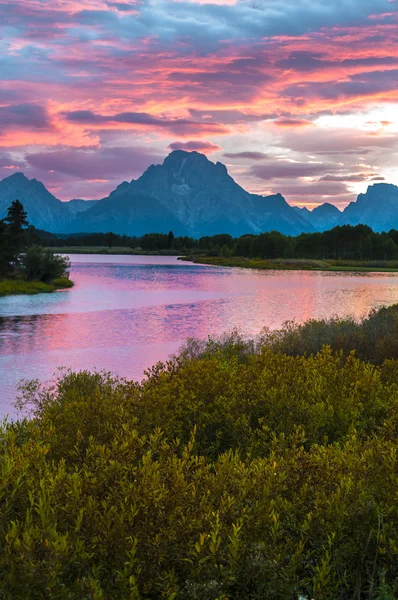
[[378, 208], [78, 206], [323, 217], [126, 211], [44, 210], [190, 195]]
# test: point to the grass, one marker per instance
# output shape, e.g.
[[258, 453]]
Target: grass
[[10, 287], [113, 250], [296, 264]]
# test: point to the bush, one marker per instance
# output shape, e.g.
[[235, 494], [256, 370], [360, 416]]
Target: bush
[[231, 472], [41, 264], [374, 338]]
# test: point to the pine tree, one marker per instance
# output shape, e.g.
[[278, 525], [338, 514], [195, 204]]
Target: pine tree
[[16, 221], [170, 239]]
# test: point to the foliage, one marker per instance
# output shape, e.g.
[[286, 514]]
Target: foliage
[[340, 243], [232, 471], [373, 338], [41, 264], [16, 221], [25, 266]]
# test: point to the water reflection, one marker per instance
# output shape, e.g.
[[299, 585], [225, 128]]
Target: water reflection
[[125, 313]]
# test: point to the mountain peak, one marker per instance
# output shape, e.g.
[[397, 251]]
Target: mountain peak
[[382, 188], [18, 176], [176, 157]]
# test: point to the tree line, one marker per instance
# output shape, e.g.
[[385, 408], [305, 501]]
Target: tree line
[[343, 242], [22, 255]]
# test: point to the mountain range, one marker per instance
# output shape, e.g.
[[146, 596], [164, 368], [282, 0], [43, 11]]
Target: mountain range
[[191, 195]]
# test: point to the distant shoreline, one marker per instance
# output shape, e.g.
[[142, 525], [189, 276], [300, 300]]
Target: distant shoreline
[[110, 251], [286, 264]]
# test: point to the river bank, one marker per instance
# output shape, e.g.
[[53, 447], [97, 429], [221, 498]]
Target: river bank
[[299, 264], [118, 250], [13, 287]]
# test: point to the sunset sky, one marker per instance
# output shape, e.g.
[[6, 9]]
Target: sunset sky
[[294, 96]]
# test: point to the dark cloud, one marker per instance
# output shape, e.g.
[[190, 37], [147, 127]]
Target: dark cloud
[[195, 145], [284, 169], [176, 125], [293, 123], [102, 163], [8, 162], [303, 60], [248, 155], [231, 117], [307, 61], [354, 178], [122, 7], [315, 189], [24, 115]]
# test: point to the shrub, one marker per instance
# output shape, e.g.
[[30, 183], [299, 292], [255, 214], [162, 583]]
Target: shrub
[[231, 472], [41, 264]]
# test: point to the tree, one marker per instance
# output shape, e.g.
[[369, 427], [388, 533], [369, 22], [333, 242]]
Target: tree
[[41, 264], [110, 239], [170, 239], [5, 252], [16, 221]]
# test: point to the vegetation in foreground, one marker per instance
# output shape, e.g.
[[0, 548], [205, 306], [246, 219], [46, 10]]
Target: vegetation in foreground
[[236, 470], [26, 268], [298, 264]]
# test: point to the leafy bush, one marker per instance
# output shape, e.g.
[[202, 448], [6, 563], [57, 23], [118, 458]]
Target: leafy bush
[[41, 264], [231, 472], [374, 338]]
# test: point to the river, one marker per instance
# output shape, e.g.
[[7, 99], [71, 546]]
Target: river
[[125, 313]]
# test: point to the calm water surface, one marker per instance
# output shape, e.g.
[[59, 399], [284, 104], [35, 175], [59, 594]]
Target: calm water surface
[[127, 312]]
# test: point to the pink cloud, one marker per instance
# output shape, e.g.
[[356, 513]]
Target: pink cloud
[[93, 74]]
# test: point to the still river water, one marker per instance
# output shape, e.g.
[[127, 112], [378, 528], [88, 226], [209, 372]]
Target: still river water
[[127, 312]]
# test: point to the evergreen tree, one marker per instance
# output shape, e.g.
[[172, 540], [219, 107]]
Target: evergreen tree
[[170, 239], [5, 253], [16, 221]]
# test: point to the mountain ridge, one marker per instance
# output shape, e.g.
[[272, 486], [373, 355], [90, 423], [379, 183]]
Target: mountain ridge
[[192, 195]]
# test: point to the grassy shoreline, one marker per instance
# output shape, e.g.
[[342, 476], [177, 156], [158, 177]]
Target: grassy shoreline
[[283, 264], [13, 287]]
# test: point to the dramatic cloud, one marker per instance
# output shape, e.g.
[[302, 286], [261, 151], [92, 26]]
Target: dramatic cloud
[[292, 93], [23, 115], [94, 164]]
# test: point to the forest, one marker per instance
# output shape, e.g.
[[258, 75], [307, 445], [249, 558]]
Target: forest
[[340, 243]]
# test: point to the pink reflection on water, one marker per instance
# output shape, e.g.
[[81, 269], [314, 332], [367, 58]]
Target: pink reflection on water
[[126, 313]]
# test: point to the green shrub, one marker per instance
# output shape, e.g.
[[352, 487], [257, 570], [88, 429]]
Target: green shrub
[[373, 338], [41, 264], [231, 472]]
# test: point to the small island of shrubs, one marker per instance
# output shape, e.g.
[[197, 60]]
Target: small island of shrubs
[[25, 266], [238, 470]]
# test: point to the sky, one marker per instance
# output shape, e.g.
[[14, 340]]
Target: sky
[[293, 96]]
